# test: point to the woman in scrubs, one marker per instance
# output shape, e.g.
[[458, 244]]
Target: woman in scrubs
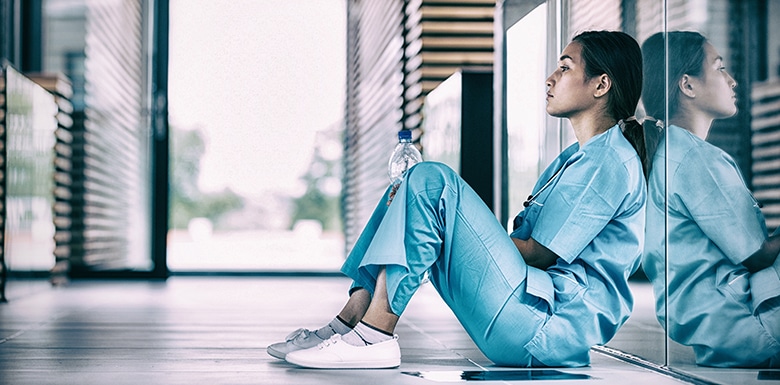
[[722, 282], [541, 296]]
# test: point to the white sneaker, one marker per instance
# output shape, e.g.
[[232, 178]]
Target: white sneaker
[[337, 354], [297, 340]]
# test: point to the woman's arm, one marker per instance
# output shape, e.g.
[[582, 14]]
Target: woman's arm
[[765, 256], [535, 254]]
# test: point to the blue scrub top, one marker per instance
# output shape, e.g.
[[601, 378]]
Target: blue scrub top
[[592, 215], [714, 224]]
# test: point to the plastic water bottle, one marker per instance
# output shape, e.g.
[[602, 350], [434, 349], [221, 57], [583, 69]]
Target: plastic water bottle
[[405, 155]]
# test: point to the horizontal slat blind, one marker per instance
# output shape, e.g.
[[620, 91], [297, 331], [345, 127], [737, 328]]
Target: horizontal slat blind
[[587, 15], [766, 149], [29, 130], [374, 104], [62, 90], [3, 181], [441, 38], [111, 182]]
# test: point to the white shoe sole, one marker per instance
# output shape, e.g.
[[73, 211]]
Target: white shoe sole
[[387, 364], [336, 354], [275, 353]]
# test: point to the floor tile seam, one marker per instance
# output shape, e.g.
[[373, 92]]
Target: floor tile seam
[[33, 326], [51, 319], [663, 370]]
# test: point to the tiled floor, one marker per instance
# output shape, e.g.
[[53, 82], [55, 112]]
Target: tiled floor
[[213, 330]]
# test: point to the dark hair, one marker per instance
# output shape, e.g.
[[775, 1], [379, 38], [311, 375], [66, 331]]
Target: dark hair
[[686, 55], [618, 55]]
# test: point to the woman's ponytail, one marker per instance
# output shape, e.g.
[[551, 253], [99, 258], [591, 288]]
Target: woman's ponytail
[[644, 138]]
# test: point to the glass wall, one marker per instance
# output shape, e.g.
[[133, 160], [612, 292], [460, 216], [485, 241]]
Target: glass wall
[[30, 135], [707, 292], [721, 156]]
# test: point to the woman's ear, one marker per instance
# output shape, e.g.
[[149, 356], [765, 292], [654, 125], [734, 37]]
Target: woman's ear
[[603, 86], [686, 86]]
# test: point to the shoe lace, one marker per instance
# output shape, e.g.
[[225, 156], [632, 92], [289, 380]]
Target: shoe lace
[[330, 341], [300, 333]]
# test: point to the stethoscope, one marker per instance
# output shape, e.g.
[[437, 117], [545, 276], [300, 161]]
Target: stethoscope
[[532, 198]]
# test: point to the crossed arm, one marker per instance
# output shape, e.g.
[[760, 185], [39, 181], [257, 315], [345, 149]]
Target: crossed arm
[[765, 256], [535, 254]]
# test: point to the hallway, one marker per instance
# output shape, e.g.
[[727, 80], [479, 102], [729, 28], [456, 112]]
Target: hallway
[[214, 330]]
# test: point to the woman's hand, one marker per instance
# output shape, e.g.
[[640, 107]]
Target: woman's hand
[[765, 256], [535, 254]]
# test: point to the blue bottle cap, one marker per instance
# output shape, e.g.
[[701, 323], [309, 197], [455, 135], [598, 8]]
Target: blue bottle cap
[[405, 134]]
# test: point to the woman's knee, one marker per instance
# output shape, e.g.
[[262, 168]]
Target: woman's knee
[[428, 172]]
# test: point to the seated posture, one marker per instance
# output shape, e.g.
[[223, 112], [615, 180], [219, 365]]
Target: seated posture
[[540, 296], [720, 292]]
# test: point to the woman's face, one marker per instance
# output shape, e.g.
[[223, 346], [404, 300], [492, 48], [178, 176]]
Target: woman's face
[[714, 89], [569, 91]]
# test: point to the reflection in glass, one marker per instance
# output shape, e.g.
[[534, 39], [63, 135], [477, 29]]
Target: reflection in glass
[[442, 139], [723, 288], [526, 61]]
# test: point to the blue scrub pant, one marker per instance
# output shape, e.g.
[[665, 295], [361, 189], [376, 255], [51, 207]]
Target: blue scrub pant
[[769, 311], [437, 223]]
